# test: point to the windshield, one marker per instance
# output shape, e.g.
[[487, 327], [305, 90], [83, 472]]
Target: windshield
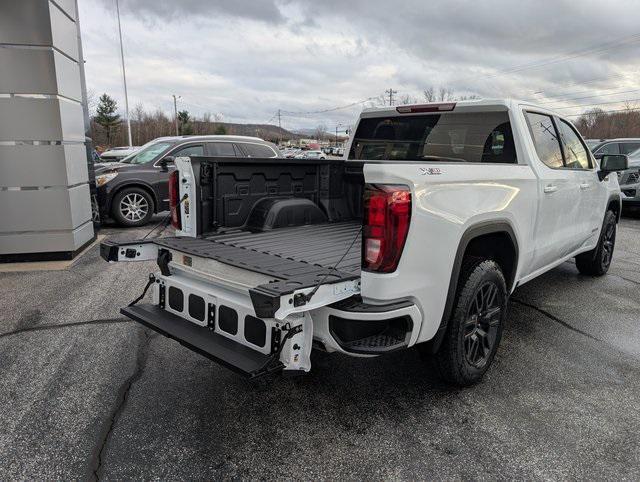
[[458, 137], [148, 153]]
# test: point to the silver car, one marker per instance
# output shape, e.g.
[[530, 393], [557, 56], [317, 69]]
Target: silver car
[[630, 182]]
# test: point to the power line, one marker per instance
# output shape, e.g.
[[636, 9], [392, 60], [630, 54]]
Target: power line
[[589, 96], [563, 58], [589, 81], [632, 109], [323, 111], [595, 104]]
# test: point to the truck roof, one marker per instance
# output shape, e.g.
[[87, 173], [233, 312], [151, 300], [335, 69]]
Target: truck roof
[[460, 106]]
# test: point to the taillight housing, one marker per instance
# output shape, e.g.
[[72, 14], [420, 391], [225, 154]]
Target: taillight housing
[[174, 200], [387, 214]]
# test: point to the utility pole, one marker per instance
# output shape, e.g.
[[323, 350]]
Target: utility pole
[[279, 128], [391, 92], [175, 110], [124, 76]]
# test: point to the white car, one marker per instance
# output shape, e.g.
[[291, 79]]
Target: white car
[[311, 155], [115, 154], [417, 239]]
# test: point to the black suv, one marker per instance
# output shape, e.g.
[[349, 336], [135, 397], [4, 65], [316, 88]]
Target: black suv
[[132, 190]]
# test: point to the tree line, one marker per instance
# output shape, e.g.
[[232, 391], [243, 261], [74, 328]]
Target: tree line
[[109, 130], [600, 124]]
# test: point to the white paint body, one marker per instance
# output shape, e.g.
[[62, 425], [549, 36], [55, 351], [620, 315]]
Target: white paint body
[[550, 227]]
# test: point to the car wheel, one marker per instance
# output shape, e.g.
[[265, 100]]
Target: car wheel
[[475, 327], [597, 261], [132, 206]]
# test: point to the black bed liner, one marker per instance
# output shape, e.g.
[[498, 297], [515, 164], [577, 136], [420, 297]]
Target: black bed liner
[[297, 257]]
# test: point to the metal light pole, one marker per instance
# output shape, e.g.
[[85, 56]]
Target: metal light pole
[[124, 76], [175, 110]]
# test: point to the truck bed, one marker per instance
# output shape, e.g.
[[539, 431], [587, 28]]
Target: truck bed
[[301, 254]]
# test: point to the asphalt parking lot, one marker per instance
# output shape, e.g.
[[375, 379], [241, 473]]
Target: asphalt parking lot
[[86, 393]]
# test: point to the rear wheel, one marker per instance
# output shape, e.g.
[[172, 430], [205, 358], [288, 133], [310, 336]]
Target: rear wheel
[[475, 328], [132, 206], [597, 261]]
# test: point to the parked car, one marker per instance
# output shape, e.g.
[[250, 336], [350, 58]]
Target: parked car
[[591, 143], [630, 182], [135, 188], [418, 238], [117, 153], [311, 155], [616, 146]]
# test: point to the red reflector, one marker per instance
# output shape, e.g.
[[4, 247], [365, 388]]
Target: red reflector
[[386, 224], [408, 109], [174, 200]]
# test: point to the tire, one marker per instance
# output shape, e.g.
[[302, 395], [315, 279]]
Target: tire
[[471, 341], [597, 261], [133, 206]]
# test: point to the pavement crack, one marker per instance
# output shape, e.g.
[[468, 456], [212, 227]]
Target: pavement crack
[[555, 318], [56, 326], [121, 402]]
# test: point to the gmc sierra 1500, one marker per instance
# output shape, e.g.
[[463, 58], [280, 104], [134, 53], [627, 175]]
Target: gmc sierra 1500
[[417, 239]]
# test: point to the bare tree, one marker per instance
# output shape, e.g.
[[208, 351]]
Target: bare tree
[[429, 94], [320, 132], [407, 99]]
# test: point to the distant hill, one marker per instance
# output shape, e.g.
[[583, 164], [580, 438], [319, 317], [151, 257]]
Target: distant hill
[[265, 131]]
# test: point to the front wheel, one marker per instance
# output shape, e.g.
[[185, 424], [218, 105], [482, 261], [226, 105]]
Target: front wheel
[[597, 261], [475, 328], [132, 206]]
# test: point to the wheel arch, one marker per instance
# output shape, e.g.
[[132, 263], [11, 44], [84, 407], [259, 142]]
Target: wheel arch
[[145, 187], [615, 204], [495, 239]]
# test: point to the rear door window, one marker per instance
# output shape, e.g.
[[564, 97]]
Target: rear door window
[[609, 148], [545, 139], [222, 149], [457, 137], [575, 152]]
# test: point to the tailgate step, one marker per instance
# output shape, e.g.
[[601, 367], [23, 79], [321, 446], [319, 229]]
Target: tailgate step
[[200, 339]]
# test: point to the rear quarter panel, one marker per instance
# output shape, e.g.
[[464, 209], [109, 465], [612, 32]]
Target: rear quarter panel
[[446, 202]]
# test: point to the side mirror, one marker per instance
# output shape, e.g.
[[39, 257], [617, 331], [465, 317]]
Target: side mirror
[[164, 163], [611, 163], [598, 156]]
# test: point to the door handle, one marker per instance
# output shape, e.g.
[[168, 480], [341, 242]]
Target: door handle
[[550, 188], [584, 185]]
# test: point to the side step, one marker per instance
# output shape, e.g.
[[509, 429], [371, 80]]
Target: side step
[[218, 348]]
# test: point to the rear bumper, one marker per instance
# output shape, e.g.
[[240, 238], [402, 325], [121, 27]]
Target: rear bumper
[[361, 329]]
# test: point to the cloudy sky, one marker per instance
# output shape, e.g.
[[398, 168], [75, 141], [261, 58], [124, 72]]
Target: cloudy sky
[[246, 59]]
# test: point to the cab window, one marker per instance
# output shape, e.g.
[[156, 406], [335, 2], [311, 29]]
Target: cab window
[[545, 139], [575, 153]]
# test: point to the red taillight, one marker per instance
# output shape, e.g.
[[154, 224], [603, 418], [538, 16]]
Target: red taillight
[[174, 200], [386, 223], [410, 109]]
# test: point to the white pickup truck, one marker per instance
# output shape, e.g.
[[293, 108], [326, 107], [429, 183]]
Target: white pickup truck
[[417, 238]]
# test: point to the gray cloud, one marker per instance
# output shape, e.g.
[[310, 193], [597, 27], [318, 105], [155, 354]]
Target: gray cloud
[[249, 58]]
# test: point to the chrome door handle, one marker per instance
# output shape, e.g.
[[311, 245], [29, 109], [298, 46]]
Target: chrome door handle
[[584, 185], [550, 188]]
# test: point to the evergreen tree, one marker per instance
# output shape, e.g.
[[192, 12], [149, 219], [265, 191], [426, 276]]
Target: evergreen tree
[[185, 127], [106, 115]]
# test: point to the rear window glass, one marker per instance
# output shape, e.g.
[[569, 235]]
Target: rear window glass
[[464, 137]]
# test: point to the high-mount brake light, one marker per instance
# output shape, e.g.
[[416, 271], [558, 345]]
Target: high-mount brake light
[[387, 214], [174, 200], [410, 109]]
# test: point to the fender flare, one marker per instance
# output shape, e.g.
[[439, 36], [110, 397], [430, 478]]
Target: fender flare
[[472, 232]]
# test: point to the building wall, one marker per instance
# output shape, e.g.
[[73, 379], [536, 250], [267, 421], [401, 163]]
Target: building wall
[[44, 190]]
